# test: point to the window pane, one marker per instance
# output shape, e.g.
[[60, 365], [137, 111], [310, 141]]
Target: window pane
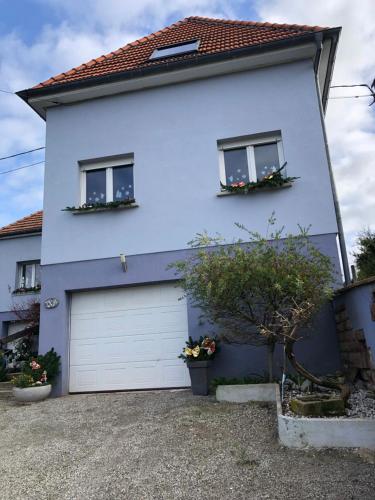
[[236, 169], [95, 186], [123, 184], [266, 159], [37, 275], [175, 50], [26, 276]]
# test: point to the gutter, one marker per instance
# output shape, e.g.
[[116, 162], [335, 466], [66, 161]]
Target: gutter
[[340, 228]]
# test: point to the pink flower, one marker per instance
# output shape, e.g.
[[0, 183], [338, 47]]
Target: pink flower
[[34, 365]]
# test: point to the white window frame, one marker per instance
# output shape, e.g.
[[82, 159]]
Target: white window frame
[[108, 165], [249, 144], [20, 265]]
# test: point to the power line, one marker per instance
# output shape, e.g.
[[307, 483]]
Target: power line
[[370, 87], [21, 168], [22, 153], [7, 92], [352, 85], [350, 96]]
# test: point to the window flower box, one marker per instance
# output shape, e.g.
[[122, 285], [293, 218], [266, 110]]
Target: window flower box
[[24, 290], [101, 207], [274, 180]]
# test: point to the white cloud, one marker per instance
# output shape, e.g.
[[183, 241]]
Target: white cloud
[[350, 122]]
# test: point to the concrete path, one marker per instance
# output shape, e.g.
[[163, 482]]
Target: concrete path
[[165, 445]]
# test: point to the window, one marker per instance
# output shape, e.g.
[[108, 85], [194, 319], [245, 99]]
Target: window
[[107, 181], [173, 50], [249, 160], [28, 274]]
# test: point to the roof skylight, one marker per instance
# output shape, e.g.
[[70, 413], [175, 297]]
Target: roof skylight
[[173, 50]]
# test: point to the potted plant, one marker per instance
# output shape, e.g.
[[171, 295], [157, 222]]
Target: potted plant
[[34, 383], [198, 355]]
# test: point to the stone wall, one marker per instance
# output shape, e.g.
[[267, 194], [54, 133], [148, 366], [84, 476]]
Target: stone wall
[[356, 331]]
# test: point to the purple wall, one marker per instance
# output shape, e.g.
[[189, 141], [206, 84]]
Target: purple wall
[[320, 352]]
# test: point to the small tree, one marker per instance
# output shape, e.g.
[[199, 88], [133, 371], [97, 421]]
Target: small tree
[[259, 291], [365, 257], [29, 313]]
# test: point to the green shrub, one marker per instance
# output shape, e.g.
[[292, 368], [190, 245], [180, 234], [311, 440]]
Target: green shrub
[[250, 379], [365, 257], [49, 362], [22, 381]]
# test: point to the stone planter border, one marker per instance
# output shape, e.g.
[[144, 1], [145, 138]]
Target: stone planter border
[[324, 432], [243, 393], [301, 432]]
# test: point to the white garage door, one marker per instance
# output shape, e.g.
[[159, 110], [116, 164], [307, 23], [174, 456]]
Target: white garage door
[[128, 339]]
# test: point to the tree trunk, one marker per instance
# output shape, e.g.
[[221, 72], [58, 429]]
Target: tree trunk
[[331, 384], [270, 352]]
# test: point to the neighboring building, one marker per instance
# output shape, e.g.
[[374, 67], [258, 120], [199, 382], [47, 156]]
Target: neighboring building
[[20, 248], [147, 133]]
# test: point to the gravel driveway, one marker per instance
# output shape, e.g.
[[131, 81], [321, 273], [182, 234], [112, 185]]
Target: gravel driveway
[[165, 445]]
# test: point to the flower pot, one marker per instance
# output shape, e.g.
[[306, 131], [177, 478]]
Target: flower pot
[[32, 394], [199, 377]]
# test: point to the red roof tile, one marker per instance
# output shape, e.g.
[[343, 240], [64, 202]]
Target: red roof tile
[[215, 35], [30, 224]]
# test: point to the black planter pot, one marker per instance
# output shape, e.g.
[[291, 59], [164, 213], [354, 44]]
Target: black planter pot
[[199, 377]]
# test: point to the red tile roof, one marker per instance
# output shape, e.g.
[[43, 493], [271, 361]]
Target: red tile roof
[[30, 224], [215, 35]]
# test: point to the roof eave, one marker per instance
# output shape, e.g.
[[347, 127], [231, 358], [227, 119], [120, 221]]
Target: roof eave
[[27, 94], [19, 234]]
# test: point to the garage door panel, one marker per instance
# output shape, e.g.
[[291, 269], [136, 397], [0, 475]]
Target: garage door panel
[[83, 352], [134, 323], [142, 375], [126, 348], [128, 339], [177, 372], [113, 300], [84, 378]]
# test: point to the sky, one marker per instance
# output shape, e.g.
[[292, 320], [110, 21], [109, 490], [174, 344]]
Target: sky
[[40, 38]]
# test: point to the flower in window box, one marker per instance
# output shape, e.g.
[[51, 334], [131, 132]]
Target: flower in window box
[[238, 184]]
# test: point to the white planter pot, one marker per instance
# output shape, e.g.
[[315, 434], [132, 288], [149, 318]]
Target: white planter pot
[[32, 394]]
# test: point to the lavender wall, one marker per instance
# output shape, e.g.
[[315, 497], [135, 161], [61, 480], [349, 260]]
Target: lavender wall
[[59, 280], [173, 132], [12, 251]]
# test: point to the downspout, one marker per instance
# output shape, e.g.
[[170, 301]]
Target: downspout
[[343, 252]]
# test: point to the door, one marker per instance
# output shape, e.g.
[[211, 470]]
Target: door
[[128, 338]]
